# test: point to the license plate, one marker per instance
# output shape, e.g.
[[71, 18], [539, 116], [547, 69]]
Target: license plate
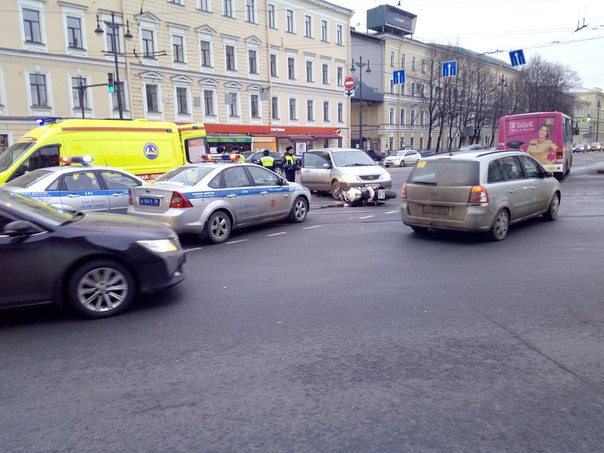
[[148, 201], [429, 209], [381, 194]]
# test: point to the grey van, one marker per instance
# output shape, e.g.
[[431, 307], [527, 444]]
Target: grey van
[[335, 170]]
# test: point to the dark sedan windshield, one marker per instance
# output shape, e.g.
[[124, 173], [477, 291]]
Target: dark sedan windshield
[[32, 209]]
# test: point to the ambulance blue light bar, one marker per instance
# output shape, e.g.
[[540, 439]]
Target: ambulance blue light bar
[[49, 120], [220, 157], [83, 160]]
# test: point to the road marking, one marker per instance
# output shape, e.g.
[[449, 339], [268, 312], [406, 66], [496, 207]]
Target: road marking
[[236, 242], [193, 249], [391, 212], [366, 217], [311, 227], [276, 234]]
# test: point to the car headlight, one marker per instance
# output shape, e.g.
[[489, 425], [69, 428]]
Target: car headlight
[[386, 176], [159, 245], [349, 178]]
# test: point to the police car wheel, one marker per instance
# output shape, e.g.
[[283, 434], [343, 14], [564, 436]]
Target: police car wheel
[[299, 210], [218, 228], [100, 289]]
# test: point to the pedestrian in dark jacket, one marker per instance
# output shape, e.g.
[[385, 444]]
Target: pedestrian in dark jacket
[[290, 164]]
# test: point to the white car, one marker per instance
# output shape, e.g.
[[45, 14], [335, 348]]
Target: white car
[[402, 158]]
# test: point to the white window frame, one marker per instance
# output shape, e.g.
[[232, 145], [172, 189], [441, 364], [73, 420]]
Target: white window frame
[[209, 86], [310, 110], [204, 5], [230, 10], [206, 34], [295, 112], [341, 112], [326, 111], [339, 35], [3, 98], [340, 75], [308, 26], [39, 110], [272, 18], [76, 111], [233, 116], [38, 6], [77, 12], [152, 26], [185, 83], [114, 110], [290, 21], [106, 21], [309, 71], [251, 11], [232, 43], [325, 73], [275, 112], [180, 32], [324, 31], [292, 77], [255, 119], [276, 55]]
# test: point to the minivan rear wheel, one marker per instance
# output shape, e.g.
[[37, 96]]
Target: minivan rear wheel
[[501, 225], [554, 206]]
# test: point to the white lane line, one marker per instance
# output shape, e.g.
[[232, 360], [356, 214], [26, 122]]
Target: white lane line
[[311, 227], [366, 217], [276, 234], [193, 249], [236, 242], [391, 212]]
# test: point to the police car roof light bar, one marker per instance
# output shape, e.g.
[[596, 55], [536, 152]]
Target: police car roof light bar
[[83, 160]]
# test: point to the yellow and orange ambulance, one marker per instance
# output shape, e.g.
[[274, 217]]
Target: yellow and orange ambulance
[[142, 147]]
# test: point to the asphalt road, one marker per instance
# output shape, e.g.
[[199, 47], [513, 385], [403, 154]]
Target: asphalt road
[[347, 333]]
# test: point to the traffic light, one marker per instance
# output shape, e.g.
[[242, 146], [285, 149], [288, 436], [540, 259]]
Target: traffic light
[[110, 85]]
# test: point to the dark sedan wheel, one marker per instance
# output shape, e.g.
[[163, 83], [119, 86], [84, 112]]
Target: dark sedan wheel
[[554, 207], [299, 210], [501, 226], [100, 289], [218, 228]]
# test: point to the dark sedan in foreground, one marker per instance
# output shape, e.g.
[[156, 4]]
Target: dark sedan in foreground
[[93, 263]]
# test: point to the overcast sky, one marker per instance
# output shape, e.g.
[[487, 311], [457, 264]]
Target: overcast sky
[[538, 27]]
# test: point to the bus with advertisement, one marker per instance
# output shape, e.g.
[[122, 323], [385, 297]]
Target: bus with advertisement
[[547, 136]]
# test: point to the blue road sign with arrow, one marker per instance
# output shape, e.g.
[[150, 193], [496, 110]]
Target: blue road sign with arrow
[[449, 69], [398, 77], [517, 57]]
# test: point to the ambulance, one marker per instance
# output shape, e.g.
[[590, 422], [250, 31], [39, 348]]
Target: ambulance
[[142, 147]]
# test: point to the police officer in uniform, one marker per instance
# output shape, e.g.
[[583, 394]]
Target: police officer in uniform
[[290, 164], [267, 161]]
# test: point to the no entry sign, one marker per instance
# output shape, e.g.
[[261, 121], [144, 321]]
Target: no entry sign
[[349, 83]]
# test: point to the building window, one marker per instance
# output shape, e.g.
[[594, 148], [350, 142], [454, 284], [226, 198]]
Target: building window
[[324, 30], [308, 26], [340, 112], [250, 11], [253, 61], [118, 87], [148, 43], [403, 61], [255, 105], [273, 65], [391, 115], [230, 58], [76, 82], [227, 8], [392, 59], [233, 107], [289, 21], [310, 110], [177, 2], [272, 19], [74, 33], [206, 60], [421, 118], [112, 36], [275, 108], [412, 117], [339, 35], [292, 109], [340, 76], [208, 102], [31, 25], [309, 72], [392, 86], [325, 110], [37, 87], [152, 96], [423, 66], [182, 102], [325, 74], [402, 119], [178, 49], [413, 63], [204, 5], [412, 89], [291, 68]]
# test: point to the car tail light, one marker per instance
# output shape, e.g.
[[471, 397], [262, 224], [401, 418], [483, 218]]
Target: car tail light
[[404, 192], [478, 196], [178, 200], [559, 153], [130, 197]]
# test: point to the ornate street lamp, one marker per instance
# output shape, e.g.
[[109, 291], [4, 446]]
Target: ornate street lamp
[[360, 65]]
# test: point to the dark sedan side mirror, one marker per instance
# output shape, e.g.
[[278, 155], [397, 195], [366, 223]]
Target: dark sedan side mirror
[[20, 228]]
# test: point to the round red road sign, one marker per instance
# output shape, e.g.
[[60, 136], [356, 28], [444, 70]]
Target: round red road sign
[[349, 83]]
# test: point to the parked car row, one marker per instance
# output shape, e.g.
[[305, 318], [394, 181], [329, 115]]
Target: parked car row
[[587, 147]]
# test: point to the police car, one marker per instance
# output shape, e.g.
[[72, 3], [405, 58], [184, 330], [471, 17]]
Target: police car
[[78, 188], [214, 198]]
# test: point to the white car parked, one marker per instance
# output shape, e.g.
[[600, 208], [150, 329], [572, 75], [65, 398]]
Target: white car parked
[[402, 158]]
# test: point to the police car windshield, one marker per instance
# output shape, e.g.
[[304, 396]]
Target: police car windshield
[[187, 176], [28, 178], [13, 153]]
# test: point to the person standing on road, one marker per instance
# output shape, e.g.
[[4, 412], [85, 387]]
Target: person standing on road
[[267, 161], [290, 164]]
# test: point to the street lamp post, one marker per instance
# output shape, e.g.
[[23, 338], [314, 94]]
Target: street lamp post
[[114, 43], [360, 65], [598, 105], [503, 83]]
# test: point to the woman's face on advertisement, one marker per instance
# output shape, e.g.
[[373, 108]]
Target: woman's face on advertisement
[[543, 132]]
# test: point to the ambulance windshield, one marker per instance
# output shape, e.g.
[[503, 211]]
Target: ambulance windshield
[[12, 154]]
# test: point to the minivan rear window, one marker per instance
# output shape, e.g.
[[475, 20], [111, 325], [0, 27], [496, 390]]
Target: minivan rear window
[[445, 172]]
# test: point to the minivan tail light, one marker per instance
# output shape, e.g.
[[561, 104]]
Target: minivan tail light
[[404, 192], [478, 196], [130, 197], [178, 200]]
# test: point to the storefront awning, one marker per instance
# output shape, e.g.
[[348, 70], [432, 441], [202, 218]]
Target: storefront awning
[[327, 137]]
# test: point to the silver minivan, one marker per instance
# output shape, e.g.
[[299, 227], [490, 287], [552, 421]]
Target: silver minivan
[[478, 191], [335, 170]]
